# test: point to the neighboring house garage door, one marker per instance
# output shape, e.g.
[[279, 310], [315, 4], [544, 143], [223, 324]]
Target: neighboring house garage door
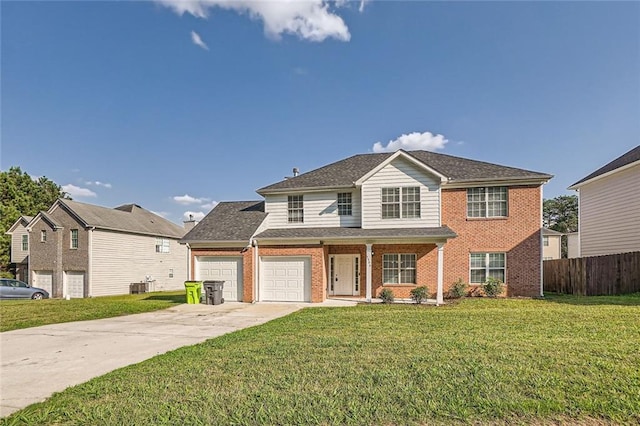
[[43, 280], [285, 279], [227, 269], [74, 284]]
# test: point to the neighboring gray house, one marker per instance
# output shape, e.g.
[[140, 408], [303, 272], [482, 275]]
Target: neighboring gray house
[[83, 250], [20, 247], [609, 207]]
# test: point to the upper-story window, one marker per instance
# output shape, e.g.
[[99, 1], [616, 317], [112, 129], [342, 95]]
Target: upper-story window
[[401, 203], [25, 242], [74, 238], [162, 245], [487, 202], [43, 236], [345, 207], [295, 209]]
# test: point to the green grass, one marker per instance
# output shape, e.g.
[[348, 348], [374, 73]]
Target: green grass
[[16, 314], [564, 360]]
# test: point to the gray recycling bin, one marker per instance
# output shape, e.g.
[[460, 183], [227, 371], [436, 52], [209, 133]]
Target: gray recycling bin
[[213, 292]]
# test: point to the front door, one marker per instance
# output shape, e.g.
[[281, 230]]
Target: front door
[[345, 275]]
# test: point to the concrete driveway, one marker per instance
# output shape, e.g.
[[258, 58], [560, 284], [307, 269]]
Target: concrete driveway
[[36, 362]]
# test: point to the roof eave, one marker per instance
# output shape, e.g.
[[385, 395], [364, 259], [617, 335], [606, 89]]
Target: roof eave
[[304, 189], [465, 183], [407, 157], [580, 183]]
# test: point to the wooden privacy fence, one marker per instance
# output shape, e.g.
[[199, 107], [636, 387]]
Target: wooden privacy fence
[[594, 276]]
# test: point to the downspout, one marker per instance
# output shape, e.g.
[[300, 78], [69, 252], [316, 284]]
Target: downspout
[[542, 242], [256, 268], [189, 277], [90, 263]]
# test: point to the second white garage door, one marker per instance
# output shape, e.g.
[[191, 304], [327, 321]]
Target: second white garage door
[[74, 282], [285, 279], [227, 269]]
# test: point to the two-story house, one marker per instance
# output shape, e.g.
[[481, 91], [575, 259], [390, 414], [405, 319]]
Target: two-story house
[[373, 221], [20, 247], [83, 250]]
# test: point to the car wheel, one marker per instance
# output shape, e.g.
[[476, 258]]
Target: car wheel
[[37, 296]]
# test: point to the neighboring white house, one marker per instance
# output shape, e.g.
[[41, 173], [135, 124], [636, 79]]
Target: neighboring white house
[[83, 250], [609, 207], [573, 245], [551, 244]]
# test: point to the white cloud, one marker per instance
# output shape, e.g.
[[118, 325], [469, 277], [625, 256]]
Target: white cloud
[[76, 191], [98, 183], [413, 141], [362, 3], [195, 38], [187, 199], [311, 20], [210, 205], [196, 215]]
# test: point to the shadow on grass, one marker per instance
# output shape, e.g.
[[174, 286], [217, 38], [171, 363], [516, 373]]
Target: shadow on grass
[[621, 300], [175, 298]]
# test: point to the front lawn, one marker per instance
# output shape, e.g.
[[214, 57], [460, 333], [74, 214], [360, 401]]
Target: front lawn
[[485, 361], [16, 314]]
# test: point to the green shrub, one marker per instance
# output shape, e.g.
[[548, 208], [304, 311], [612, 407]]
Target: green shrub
[[6, 274], [492, 287], [419, 294], [387, 295], [458, 289]]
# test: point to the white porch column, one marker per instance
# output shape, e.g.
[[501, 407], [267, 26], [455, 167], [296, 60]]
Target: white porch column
[[368, 280], [439, 293]]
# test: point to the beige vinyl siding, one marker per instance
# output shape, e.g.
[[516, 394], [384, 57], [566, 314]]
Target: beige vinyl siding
[[120, 259], [320, 210], [400, 173], [610, 214], [17, 254], [552, 251]]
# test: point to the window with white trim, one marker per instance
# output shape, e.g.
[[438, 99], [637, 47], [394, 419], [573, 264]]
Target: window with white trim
[[162, 245], [43, 236], [483, 265], [344, 204], [25, 242], [74, 238], [490, 201], [401, 203], [295, 209], [545, 241], [399, 269]]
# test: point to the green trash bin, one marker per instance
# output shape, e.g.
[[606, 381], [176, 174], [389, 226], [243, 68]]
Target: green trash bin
[[194, 291]]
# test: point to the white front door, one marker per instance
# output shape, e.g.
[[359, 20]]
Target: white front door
[[345, 275]]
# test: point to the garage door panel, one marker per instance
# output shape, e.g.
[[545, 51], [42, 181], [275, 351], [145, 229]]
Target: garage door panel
[[74, 284], [285, 279], [227, 269], [43, 280]]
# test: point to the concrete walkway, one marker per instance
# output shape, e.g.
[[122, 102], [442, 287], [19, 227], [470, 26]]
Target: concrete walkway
[[36, 362]]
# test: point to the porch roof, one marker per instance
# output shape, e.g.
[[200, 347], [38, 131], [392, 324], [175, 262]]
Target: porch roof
[[440, 232]]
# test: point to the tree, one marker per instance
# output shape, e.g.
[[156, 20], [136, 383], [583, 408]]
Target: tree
[[21, 195], [561, 214]]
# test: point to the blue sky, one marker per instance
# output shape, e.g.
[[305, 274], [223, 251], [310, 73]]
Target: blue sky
[[176, 105]]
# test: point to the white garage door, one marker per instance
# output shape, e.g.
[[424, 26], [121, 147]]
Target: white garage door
[[43, 280], [74, 284], [227, 269], [285, 279]]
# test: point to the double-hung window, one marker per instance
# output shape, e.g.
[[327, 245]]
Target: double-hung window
[[344, 204], [490, 201], [484, 265], [401, 203], [295, 209], [25, 242], [162, 245], [399, 269], [545, 241], [43, 236], [74, 238]]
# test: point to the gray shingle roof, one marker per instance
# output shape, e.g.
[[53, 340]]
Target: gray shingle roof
[[547, 231], [347, 233], [627, 158], [229, 221], [345, 172], [129, 218]]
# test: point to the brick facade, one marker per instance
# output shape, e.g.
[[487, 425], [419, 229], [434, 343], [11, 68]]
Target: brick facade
[[517, 235]]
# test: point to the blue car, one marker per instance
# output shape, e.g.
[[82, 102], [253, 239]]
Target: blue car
[[15, 289]]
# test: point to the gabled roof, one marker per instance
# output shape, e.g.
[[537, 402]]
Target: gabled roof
[[228, 221], [622, 161], [47, 218], [551, 232], [22, 220], [130, 218], [345, 173]]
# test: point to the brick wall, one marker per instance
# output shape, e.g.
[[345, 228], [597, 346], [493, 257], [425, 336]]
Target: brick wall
[[518, 236]]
